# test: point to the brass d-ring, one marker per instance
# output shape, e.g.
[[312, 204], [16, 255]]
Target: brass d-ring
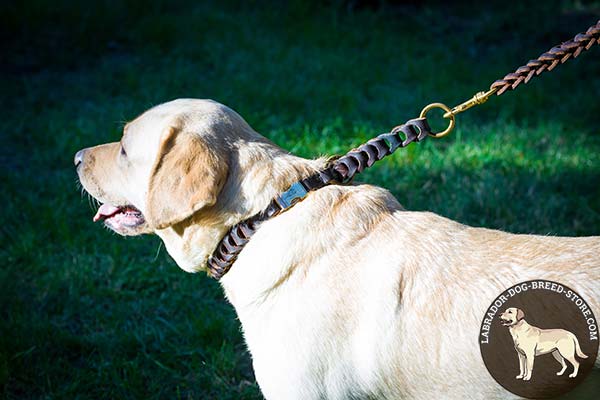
[[447, 110]]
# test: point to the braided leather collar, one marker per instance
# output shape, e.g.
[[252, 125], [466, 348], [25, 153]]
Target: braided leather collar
[[340, 171]]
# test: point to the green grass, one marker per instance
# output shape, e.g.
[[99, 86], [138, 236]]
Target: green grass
[[87, 314]]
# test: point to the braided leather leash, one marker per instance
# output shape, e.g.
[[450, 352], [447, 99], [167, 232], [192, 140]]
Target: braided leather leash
[[343, 169], [545, 62], [549, 60]]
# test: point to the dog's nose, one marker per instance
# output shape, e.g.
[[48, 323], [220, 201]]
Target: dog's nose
[[79, 157]]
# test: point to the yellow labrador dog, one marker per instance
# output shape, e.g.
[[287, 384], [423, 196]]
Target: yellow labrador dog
[[345, 295], [531, 341]]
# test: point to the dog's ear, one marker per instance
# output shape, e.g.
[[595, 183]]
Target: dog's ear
[[187, 176], [520, 314]]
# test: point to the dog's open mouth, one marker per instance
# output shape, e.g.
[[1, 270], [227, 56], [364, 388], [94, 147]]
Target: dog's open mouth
[[119, 217], [505, 322]]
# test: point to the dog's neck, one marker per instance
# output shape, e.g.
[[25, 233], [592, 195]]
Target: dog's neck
[[519, 326], [258, 171], [263, 179]]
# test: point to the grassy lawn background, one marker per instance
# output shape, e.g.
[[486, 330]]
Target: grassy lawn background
[[87, 314]]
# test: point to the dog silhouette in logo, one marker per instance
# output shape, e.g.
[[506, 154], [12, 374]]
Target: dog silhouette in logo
[[531, 341]]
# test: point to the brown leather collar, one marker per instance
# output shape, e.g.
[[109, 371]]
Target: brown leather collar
[[236, 238], [342, 170]]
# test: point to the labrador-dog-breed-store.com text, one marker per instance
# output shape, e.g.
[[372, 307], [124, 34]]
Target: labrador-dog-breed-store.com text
[[345, 295]]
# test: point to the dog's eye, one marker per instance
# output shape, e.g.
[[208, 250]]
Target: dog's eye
[[123, 153]]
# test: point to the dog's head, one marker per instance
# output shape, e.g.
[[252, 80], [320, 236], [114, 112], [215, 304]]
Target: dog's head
[[186, 170], [511, 316], [170, 163]]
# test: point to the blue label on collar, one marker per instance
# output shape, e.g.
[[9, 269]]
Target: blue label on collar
[[295, 193]]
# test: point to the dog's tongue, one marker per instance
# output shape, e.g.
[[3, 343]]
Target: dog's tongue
[[105, 211]]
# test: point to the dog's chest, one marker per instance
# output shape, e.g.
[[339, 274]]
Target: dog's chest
[[289, 355], [519, 338]]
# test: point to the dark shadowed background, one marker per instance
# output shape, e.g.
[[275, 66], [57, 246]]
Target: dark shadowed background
[[87, 314]]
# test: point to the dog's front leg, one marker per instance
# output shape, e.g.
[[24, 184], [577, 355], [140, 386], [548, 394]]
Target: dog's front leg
[[521, 365], [529, 358]]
